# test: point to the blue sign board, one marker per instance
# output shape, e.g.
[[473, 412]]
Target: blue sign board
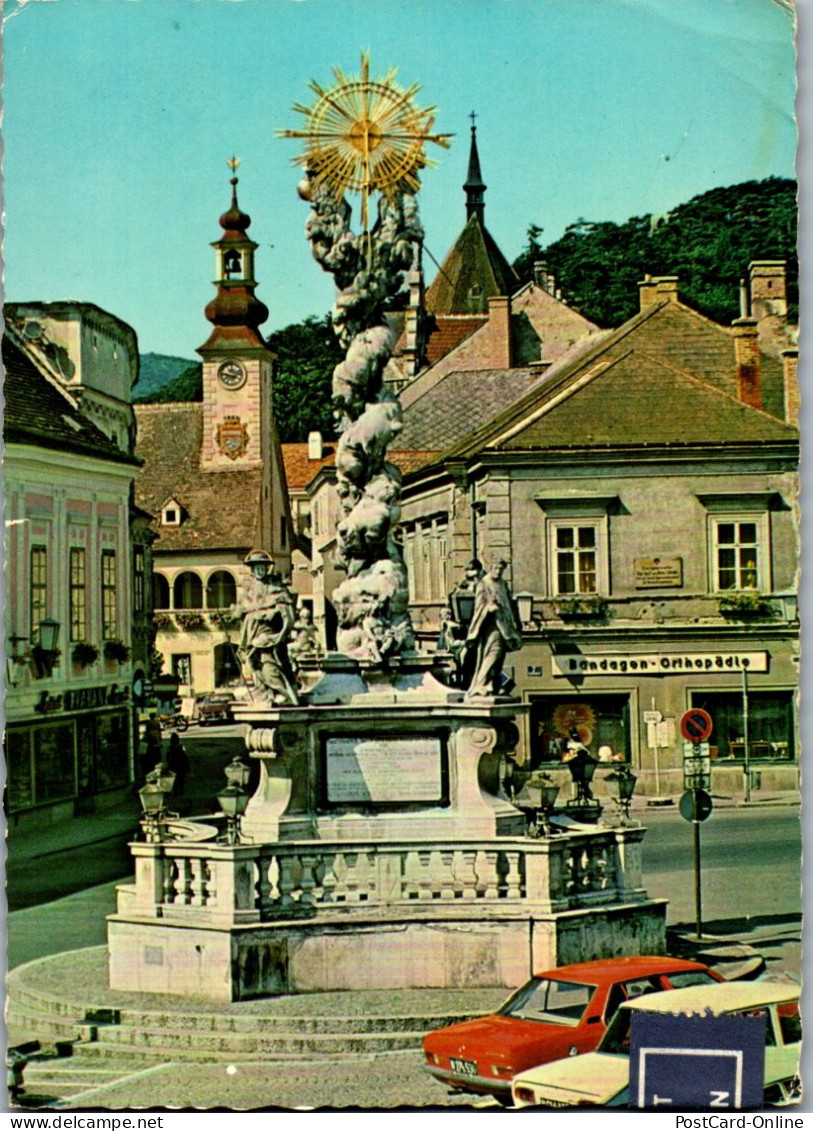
[[680, 1062]]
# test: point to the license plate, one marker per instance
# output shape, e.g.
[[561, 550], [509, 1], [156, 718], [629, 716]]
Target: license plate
[[464, 1067], [552, 1103]]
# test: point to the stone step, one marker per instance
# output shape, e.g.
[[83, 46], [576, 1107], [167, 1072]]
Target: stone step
[[166, 1045]]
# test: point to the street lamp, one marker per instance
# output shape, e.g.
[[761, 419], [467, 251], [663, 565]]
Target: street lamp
[[49, 634], [537, 798], [525, 607], [233, 801], [622, 783], [237, 772], [152, 795]]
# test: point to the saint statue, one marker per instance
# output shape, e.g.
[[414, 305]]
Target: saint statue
[[493, 631], [269, 617], [305, 644]]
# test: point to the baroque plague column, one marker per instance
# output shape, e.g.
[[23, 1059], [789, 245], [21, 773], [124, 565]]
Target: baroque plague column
[[380, 848]]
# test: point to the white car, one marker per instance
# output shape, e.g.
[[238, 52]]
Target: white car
[[601, 1078]]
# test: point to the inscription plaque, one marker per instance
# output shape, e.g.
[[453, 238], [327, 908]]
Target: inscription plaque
[[658, 573], [383, 769]]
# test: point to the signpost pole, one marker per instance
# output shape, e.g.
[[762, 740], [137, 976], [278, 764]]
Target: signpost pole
[[656, 758], [747, 764], [698, 891]]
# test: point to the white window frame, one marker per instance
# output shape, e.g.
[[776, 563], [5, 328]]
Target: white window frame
[[601, 525], [762, 522]]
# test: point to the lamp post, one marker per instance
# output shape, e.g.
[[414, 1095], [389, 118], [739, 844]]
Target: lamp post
[[233, 799], [525, 607], [537, 798], [152, 795], [622, 786], [582, 767], [49, 634]]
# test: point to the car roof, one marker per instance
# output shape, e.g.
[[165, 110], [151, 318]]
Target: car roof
[[722, 997], [630, 967]]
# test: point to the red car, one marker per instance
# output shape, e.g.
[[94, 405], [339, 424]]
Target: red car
[[558, 1013]]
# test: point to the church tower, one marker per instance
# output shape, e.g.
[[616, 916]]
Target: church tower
[[237, 364], [238, 430]]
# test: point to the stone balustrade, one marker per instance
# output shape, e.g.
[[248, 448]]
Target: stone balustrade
[[201, 882]]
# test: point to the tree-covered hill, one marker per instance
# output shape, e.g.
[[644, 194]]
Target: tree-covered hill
[[708, 242], [155, 372]]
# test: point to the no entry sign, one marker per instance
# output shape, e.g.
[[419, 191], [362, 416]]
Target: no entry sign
[[695, 725]]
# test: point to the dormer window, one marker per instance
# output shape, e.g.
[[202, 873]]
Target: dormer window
[[171, 513]]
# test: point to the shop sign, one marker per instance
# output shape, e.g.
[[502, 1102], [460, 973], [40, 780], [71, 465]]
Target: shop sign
[[659, 663], [87, 698], [658, 573]]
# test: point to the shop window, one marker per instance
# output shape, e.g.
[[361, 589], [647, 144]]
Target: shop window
[[112, 747], [182, 667], [603, 723], [188, 591], [227, 669], [770, 724], [160, 591], [109, 596], [221, 590], [78, 595], [38, 590], [19, 769], [54, 763]]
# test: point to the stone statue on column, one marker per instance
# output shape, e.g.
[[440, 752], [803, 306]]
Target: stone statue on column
[[494, 631]]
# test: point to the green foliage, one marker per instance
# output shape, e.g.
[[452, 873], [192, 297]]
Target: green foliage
[[307, 353], [155, 371], [707, 242], [187, 386]]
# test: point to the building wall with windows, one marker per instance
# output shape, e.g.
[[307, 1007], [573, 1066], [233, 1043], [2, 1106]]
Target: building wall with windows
[[646, 499], [69, 563]]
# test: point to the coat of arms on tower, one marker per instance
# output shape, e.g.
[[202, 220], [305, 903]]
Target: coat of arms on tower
[[232, 437]]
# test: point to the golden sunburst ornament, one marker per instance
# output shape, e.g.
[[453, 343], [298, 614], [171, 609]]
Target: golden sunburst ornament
[[366, 135]]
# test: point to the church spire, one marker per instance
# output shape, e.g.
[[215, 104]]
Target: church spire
[[475, 186], [235, 311]]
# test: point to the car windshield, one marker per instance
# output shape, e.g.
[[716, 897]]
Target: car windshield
[[617, 1037], [549, 1000], [685, 978]]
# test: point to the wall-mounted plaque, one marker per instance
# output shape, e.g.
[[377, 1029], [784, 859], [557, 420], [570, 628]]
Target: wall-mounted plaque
[[383, 769], [658, 573]]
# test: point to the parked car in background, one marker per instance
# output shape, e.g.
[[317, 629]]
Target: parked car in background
[[601, 1078], [216, 708], [557, 1013]]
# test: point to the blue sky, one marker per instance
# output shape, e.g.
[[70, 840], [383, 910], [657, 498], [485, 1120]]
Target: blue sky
[[120, 114]]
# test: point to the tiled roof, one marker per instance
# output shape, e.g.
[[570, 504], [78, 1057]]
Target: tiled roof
[[639, 400], [38, 413], [636, 385], [221, 508], [448, 331], [459, 405], [474, 261], [299, 470]]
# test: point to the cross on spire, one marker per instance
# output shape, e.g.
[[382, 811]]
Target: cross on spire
[[473, 117]]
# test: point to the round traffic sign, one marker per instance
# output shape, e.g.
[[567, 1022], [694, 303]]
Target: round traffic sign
[[695, 725], [695, 805]]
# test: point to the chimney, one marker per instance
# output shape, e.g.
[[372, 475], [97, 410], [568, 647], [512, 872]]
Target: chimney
[[499, 332], [656, 289], [315, 446], [790, 361], [542, 277], [769, 291], [747, 360]]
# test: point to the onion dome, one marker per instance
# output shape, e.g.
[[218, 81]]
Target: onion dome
[[234, 221]]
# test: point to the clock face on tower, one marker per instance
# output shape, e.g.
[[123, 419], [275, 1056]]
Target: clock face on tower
[[232, 374]]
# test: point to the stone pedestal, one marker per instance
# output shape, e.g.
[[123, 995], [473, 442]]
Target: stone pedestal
[[381, 756], [379, 851]]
